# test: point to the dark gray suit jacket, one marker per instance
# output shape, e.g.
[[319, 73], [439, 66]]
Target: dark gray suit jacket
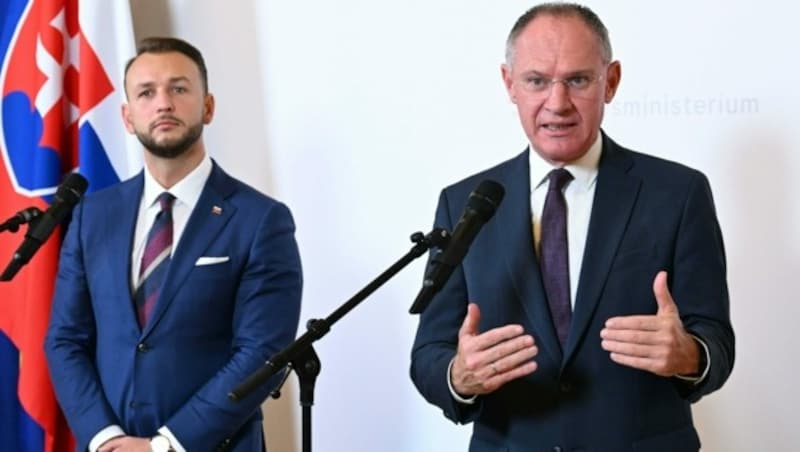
[[648, 215]]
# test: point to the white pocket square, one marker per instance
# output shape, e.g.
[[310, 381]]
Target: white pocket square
[[211, 260]]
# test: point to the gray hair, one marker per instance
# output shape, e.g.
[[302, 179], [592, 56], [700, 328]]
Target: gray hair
[[560, 9]]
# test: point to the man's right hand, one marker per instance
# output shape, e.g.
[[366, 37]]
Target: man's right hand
[[487, 361]]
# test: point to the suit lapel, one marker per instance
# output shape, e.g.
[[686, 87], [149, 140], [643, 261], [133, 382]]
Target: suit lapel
[[614, 199], [206, 221], [120, 237], [523, 268]]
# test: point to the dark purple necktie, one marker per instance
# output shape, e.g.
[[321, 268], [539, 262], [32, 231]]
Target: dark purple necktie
[[554, 253], [155, 260]]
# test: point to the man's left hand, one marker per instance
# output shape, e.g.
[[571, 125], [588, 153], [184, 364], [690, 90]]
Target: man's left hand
[[655, 343], [126, 444]]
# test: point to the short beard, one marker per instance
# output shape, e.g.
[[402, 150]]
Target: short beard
[[171, 149]]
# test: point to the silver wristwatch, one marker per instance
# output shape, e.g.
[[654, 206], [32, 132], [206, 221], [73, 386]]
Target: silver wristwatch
[[160, 443]]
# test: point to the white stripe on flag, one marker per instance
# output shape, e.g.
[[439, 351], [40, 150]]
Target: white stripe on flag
[[108, 28]]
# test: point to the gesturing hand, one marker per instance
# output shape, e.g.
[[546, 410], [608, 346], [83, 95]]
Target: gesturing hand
[[487, 361], [655, 343]]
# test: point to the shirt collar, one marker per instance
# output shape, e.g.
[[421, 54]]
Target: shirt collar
[[186, 191], [583, 170]]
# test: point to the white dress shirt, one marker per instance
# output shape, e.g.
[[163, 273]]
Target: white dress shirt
[[579, 197]]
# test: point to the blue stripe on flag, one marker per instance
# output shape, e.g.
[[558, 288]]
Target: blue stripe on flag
[[95, 164], [18, 432], [10, 12], [35, 166]]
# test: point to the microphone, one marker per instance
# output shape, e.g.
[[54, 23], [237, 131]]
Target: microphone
[[67, 195], [27, 215], [481, 205]]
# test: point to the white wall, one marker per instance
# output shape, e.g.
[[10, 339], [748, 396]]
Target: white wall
[[356, 113]]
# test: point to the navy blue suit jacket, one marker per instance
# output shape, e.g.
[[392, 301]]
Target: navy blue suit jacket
[[648, 215], [212, 326]]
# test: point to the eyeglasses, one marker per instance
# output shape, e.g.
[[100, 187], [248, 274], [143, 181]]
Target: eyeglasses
[[579, 86]]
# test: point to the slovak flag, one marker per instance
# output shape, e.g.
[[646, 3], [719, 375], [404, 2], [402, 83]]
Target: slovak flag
[[61, 75]]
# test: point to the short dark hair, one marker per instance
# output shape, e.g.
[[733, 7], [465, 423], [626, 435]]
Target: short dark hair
[[561, 9], [157, 44]]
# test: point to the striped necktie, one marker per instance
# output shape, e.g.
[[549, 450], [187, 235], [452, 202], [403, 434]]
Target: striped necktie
[[155, 260]]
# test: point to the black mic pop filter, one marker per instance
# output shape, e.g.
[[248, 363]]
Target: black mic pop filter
[[481, 206], [67, 195]]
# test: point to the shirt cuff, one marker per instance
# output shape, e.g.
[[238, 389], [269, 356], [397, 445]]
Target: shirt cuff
[[173, 441], [467, 401], [704, 372], [112, 431]]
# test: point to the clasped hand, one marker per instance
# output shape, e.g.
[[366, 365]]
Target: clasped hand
[[126, 444]]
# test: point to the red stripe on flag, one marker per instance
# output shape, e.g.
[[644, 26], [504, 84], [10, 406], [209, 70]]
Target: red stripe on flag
[[24, 315]]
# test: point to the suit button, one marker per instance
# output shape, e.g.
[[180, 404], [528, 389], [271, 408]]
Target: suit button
[[132, 404], [142, 347], [565, 386]]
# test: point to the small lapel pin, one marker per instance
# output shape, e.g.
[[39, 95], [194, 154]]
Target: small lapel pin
[[216, 210]]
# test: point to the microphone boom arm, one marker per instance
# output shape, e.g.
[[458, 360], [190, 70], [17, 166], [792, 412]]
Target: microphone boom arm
[[317, 328]]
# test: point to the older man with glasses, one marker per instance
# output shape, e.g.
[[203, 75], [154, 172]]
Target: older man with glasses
[[593, 309]]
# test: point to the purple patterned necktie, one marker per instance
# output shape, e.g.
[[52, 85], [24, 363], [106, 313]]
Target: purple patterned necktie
[[554, 253], [155, 260]]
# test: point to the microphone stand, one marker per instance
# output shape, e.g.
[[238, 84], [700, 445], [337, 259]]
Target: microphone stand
[[300, 355], [307, 367], [31, 216]]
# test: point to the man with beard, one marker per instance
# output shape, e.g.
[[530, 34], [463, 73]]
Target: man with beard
[[173, 286]]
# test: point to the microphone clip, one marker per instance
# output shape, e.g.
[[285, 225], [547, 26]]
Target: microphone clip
[[437, 238], [28, 215]]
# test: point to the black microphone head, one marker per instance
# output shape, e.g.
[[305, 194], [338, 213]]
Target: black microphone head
[[67, 195], [485, 199], [72, 188]]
